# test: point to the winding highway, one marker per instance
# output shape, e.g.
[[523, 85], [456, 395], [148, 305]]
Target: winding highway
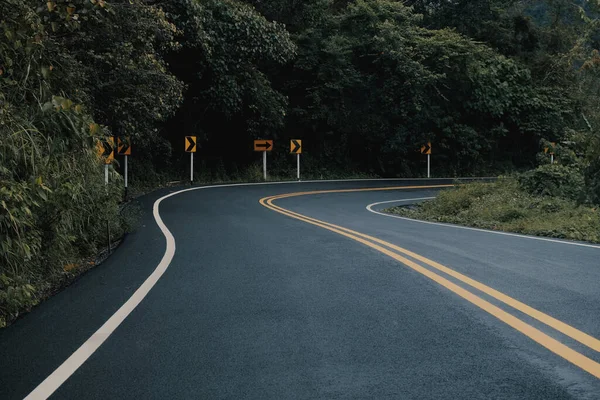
[[307, 291]]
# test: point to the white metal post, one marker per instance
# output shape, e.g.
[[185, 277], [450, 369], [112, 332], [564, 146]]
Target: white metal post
[[265, 165], [298, 162], [106, 174], [551, 158], [126, 173], [429, 165], [191, 167]]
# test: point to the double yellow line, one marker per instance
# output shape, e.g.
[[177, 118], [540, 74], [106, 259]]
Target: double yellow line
[[398, 253]]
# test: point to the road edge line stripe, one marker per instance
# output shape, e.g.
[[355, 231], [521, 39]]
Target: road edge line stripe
[[402, 200], [469, 228], [550, 321], [574, 357]]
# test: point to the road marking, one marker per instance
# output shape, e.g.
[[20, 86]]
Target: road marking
[[370, 208], [538, 336], [85, 351], [397, 201], [560, 326]]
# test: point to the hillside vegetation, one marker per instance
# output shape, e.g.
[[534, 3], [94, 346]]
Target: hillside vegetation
[[363, 83]]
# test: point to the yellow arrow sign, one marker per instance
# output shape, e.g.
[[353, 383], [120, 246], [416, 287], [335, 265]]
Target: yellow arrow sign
[[123, 146], [190, 144], [550, 149], [263, 145], [105, 148], [296, 146], [426, 148]]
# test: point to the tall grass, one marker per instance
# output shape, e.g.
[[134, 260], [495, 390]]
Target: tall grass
[[505, 205]]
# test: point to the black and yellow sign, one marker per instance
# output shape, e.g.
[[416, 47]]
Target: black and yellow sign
[[296, 146], [263, 145], [106, 149], [124, 146], [551, 149], [426, 148], [190, 144]]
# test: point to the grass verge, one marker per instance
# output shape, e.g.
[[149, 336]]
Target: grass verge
[[506, 206]]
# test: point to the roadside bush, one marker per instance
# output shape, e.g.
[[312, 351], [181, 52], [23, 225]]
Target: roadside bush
[[454, 202], [54, 204], [555, 180], [15, 296], [53, 208], [505, 205], [253, 173], [592, 172]]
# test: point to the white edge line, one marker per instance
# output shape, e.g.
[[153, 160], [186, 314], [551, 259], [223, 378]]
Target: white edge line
[[370, 208], [80, 356], [397, 201]]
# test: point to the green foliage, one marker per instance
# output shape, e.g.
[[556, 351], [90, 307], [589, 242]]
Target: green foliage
[[592, 172], [17, 217], [51, 195], [588, 136], [253, 174], [381, 85], [119, 49], [226, 59], [505, 206], [556, 181], [15, 295], [223, 47], [53, 201]]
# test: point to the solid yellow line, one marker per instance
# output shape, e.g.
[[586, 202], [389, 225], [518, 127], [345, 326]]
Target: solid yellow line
[[560, 326], [379, 189], [550, 343]]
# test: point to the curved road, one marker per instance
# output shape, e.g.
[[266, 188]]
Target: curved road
[[265, 295]]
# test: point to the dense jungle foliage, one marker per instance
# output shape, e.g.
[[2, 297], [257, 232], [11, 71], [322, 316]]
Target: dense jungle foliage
[[364, 83]]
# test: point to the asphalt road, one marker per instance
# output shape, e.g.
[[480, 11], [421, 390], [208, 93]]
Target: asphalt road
[[256, 304]]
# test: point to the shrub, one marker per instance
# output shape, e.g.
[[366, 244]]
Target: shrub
[[253, 173], [505, 205], [554, 180], [15, 295], [592, 172]]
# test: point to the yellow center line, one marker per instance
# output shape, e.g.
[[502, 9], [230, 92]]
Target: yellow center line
[[560, 326], [538, 336]]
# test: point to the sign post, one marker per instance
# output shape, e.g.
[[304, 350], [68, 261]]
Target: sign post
[[551, 150], [105, 149], [429, 165], [296, 148], [190, 147], [124, 149], [264, 146], [426, 149]]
